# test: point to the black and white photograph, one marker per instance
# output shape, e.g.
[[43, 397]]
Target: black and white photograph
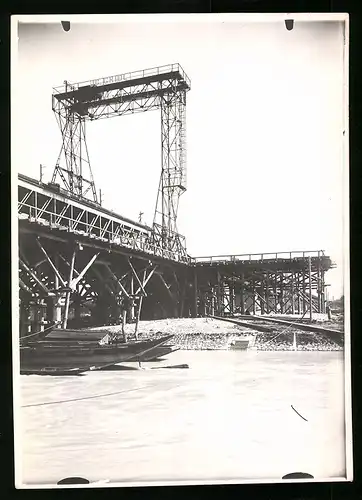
[[180, 249]]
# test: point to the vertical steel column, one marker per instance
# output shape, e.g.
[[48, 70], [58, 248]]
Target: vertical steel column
[[49, 309], [298, 294], [218, 294], [267, 293], [124, 313], [254, 302], [242, 288], [57, 307], [262, 294], [232, 296], [282, 309], [132, 302], [182, 299], [276, 295], [310, 290], [140, 300], [323, 297], [77, 311], [319, 288], [304, 291], [292, 292], [195, 312], [75, 156], [213, 301], [67, 299], [173, 174]]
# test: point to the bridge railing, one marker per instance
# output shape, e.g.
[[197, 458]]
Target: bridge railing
[[259, 256], [158, 70], [99, 227]]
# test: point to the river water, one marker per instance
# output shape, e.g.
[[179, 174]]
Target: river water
[[227, 417]]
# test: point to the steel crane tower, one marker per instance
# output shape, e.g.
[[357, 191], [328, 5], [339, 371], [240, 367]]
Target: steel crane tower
[[161, 88]]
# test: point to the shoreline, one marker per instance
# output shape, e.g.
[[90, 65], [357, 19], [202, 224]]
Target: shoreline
[[213, 334]]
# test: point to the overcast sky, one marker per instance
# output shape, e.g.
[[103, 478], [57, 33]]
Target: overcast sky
[[264, 127]]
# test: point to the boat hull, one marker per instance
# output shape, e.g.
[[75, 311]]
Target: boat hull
[[77, 356], [57, 372]]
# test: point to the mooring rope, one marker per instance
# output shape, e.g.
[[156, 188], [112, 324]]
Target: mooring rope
[[88, 397]]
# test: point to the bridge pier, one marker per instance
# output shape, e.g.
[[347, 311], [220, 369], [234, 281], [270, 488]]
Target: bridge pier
[[275, 284], [84, 285]]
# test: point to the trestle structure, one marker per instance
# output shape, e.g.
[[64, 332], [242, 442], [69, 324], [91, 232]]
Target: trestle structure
[[66, 281], [161, 88], [81, 264], [282, 283]]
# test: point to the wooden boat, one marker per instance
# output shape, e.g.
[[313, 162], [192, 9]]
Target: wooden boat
[[65, 335], [73, 354], [156, 353]]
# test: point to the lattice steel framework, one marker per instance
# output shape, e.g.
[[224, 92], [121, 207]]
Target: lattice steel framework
[[285, 283], [156, 88], [73, 166]]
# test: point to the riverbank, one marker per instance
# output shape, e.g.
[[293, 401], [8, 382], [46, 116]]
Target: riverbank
[[212, 334]]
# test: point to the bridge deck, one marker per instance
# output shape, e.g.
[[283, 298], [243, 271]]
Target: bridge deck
[[282, 261], [43, 208]]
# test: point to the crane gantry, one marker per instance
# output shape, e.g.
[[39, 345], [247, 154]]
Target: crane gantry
[[161, 88]]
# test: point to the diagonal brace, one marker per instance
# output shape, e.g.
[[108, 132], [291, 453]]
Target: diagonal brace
[[124, 291], [50, 262], [166, 285], [34, 276], [137, 278], [76, 280], [146, 280], [24, 286]]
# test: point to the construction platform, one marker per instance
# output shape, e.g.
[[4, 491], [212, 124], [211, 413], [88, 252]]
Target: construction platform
[[80, 263], [284, 282]]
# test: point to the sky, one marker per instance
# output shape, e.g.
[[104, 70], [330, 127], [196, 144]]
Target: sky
[[264, 115]]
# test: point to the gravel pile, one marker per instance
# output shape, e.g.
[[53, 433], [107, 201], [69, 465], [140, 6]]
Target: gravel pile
[[208, 333]]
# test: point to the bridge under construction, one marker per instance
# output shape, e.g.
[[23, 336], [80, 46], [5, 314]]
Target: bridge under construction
[[83, 265]]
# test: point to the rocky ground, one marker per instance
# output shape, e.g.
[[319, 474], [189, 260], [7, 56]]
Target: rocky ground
[[284, 342], [208, 333]]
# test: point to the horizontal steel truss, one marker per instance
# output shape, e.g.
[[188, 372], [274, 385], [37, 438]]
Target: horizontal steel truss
[[62, 282], [42, 207], [95, 100], [263, 293]]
